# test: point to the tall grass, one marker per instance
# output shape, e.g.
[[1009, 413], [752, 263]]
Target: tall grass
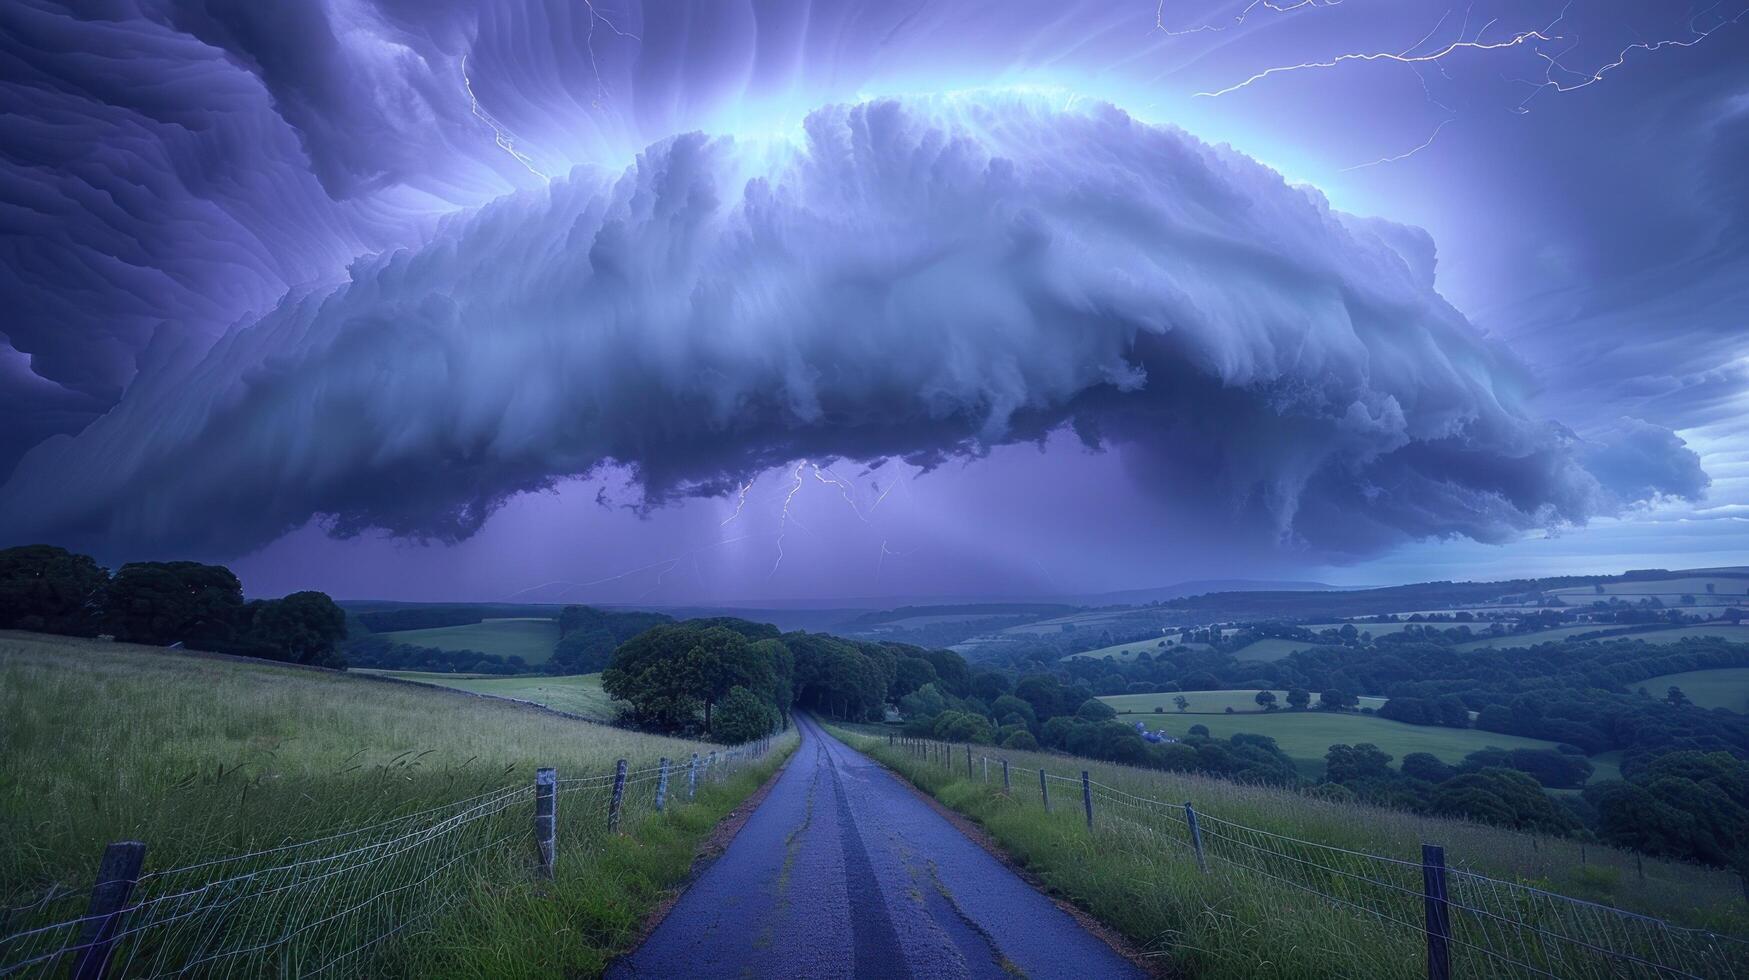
[[203, 757], [1275, 909]]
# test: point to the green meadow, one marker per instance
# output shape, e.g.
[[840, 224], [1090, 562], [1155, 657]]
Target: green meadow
[[577, 694], [1307, 735], [531, 639], [1723, 687]]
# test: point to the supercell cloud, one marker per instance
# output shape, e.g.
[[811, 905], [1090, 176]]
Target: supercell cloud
[[923, 278]]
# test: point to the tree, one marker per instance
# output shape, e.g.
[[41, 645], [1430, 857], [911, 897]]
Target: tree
[[1676, 698], [302, 628], [671, 673], [1266, 699], [744, 716], [1298, 698], [50, 590], [1094, 709], [1181, 702], [1335, 700], [913, 673], [161, 603], [1426, 766], [1503, 797], [1353, 763], [1020, 742]]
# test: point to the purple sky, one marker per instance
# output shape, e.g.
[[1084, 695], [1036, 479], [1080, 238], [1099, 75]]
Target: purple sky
[[252, 291]]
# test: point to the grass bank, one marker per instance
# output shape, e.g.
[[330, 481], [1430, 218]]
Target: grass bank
[[577, 694], [402, 814], [1272, 906]]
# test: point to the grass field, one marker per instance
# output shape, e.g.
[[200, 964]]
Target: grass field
[[1126, 651], [1271, 648], [577, 694], [1307, 735], [1654, 637], [202, 756], [530, 639], [1204, 702], [1723, 687], [1135, 872]]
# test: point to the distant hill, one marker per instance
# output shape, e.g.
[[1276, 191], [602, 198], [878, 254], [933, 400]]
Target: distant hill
[[1161, 593]]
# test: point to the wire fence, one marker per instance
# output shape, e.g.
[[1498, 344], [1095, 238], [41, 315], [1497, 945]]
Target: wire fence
[[329, 905], [1444, 921]]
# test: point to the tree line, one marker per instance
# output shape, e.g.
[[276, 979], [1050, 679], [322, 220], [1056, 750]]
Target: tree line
[[47, 589]]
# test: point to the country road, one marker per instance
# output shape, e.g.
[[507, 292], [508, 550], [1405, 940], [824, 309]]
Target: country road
[[844, 872]]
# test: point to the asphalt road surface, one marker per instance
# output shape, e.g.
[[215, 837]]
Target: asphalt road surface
[[844, 872]]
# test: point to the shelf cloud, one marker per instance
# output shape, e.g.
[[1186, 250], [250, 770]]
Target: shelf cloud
[[923, 278]]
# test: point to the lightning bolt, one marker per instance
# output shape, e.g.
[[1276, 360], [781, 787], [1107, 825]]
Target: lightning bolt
[[1238, 19], [784, 519], [1550, 82], [740, 504], [828, 478], [501, 135], [1521, 38], [1557, 77], [589, 45]]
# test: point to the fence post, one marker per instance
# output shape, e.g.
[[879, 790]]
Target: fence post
[[1195, 837], [986, 769], [619, 795], [1044, 792], [692, 778], [710, 767], [890, 737], [968, 763], [661, 784], [546, 813], [1438, 912], [1087, 798], [117, 872], [1005, 785]]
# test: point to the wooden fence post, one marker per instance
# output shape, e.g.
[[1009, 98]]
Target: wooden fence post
[[986, 769], [1437, 911], [890, 737], [692, 777], [116, 874], [1044, 792], [968, 763], [661, 784], [1005, 786], [710, 766], [1195, 837], [619, 795], [1087, 798], [546, 813]]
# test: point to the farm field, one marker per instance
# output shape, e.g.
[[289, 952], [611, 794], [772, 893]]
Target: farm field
[[1655, 637], [1723, 687], [1308, 735], [577, 694], [1669, 591], [531, 639], [201, 756], [1204, 702], [1125, 651], [1271, 648]]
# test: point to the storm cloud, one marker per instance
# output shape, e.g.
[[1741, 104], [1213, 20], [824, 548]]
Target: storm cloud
[[924, 279]]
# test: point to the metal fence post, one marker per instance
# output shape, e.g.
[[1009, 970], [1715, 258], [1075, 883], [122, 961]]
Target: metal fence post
[[1437, 911], [692, 777], [619, 795], [1087, 798], [116, 874], [661, 784], [1005, 785], [1195, 837], [546, 813], [1044, 792]]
